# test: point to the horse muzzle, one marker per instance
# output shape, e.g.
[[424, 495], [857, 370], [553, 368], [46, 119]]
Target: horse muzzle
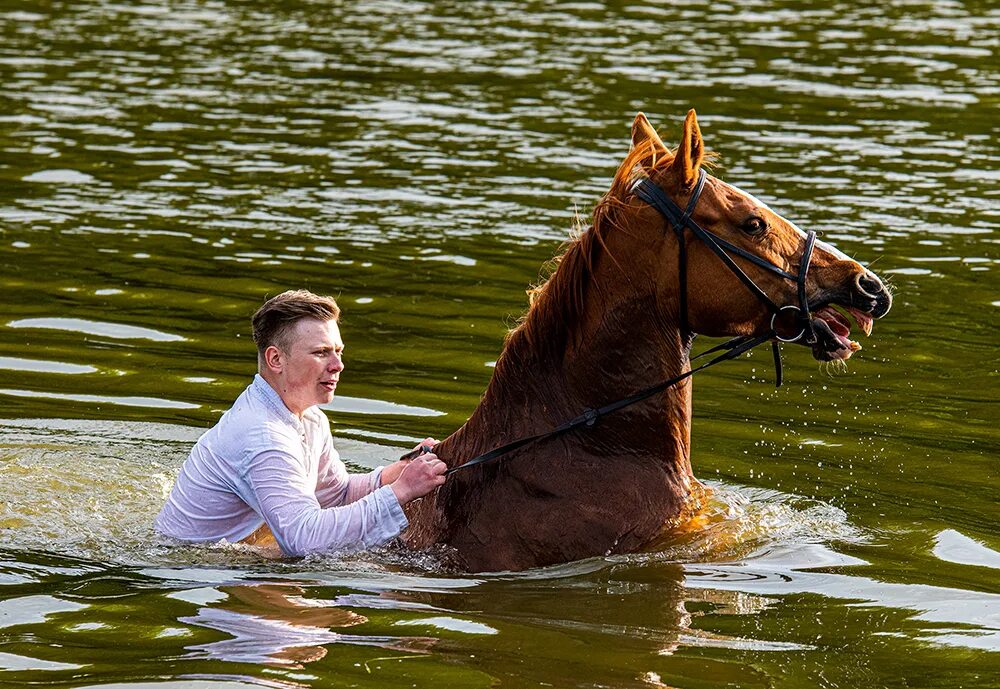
[[871, 292], [863, 300]]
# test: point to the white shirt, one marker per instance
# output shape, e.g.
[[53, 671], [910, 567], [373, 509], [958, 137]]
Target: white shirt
[[261, 463]]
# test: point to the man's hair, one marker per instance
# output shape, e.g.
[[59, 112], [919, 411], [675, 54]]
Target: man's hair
[[275, 320]]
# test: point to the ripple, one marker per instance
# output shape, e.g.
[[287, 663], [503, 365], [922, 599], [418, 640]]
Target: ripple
[[908, 271], [740, 644], [955, 547], [9, 661], [59, 177], [99, 328], [41, 366], [457, 260], [451, 624], [33, 609], [152, 402], [361, 405], [789, 574]]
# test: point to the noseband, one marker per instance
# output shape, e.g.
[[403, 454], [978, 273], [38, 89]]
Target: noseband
[[679, 221]]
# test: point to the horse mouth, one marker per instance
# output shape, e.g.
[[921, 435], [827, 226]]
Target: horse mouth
[[833, 331]]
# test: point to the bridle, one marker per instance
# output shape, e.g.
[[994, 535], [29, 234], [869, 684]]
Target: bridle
[[680, 222]]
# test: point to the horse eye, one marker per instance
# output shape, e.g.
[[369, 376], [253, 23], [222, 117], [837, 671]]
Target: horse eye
[[754, 225]]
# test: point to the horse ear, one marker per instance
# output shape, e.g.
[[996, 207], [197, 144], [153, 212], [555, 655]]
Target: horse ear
[[643, 134], [691, 152]]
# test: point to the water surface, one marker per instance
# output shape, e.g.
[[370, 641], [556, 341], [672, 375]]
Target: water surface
[[166, 167]]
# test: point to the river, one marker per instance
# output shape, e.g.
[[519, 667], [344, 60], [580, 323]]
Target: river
[[167, 165]]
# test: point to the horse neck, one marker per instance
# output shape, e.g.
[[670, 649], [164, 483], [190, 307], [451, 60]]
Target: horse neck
[[620, 346]]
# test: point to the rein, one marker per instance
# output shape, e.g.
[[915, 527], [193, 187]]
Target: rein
[[679, 221]]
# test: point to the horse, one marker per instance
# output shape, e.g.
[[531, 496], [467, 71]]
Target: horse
[[611, 318]]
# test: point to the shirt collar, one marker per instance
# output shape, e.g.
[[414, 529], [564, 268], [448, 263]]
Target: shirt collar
[[274, 401]]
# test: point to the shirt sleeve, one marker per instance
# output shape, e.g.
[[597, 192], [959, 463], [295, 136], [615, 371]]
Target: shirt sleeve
[[334, 486], [301, 525]]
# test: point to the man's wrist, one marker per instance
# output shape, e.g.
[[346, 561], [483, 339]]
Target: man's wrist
[[391, 472], [402, 496]]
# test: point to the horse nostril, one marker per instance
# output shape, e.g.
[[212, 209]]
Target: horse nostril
[[872, 288], [869, 284]]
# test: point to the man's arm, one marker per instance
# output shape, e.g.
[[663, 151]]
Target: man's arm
[[289, 506], [336, 487]]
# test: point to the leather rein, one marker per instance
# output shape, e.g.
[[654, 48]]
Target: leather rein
[[680, 222]]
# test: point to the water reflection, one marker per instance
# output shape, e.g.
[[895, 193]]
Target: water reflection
[[958, 617], [100, 329], [154, 402], [39, 366], [275, 624], [357, 405], [12, 662], [952, 546], [34, 609], [167, 165]]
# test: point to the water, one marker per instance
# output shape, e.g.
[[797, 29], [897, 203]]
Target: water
[[165, 167]]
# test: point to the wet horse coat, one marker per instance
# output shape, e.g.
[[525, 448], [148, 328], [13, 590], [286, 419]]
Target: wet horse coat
[[605, 324]]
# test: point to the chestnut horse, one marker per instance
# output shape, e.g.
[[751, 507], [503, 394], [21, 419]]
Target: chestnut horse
[[604, 325]]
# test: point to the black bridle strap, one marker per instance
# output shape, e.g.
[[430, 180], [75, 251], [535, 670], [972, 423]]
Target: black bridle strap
[[776, 353], [677, 222], [757, 260], [652, 194], [590, 417], [801, 283]]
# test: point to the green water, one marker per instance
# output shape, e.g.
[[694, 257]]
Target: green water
[[165, 166]]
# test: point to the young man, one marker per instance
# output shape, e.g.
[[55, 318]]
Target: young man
[[269, 463]]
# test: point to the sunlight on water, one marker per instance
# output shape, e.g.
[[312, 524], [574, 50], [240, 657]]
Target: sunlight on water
[[955, 547], [362, 406], [167, 165], [113, 330], [40, 366], [102, 399]]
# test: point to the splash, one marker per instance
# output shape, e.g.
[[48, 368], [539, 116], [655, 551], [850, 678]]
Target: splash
[[736, 522], [91, 489]]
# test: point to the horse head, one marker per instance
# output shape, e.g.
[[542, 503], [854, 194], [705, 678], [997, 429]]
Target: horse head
[[718, 303]]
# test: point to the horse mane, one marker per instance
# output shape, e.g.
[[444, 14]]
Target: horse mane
[[557, 303]]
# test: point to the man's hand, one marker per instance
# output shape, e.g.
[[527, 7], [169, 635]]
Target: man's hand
[[392, 472], [419, 477], [425, 445]]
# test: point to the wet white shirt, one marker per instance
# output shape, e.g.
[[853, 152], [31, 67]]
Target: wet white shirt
[[261, 463]]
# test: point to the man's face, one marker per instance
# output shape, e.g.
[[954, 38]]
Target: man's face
[[311, 365]]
